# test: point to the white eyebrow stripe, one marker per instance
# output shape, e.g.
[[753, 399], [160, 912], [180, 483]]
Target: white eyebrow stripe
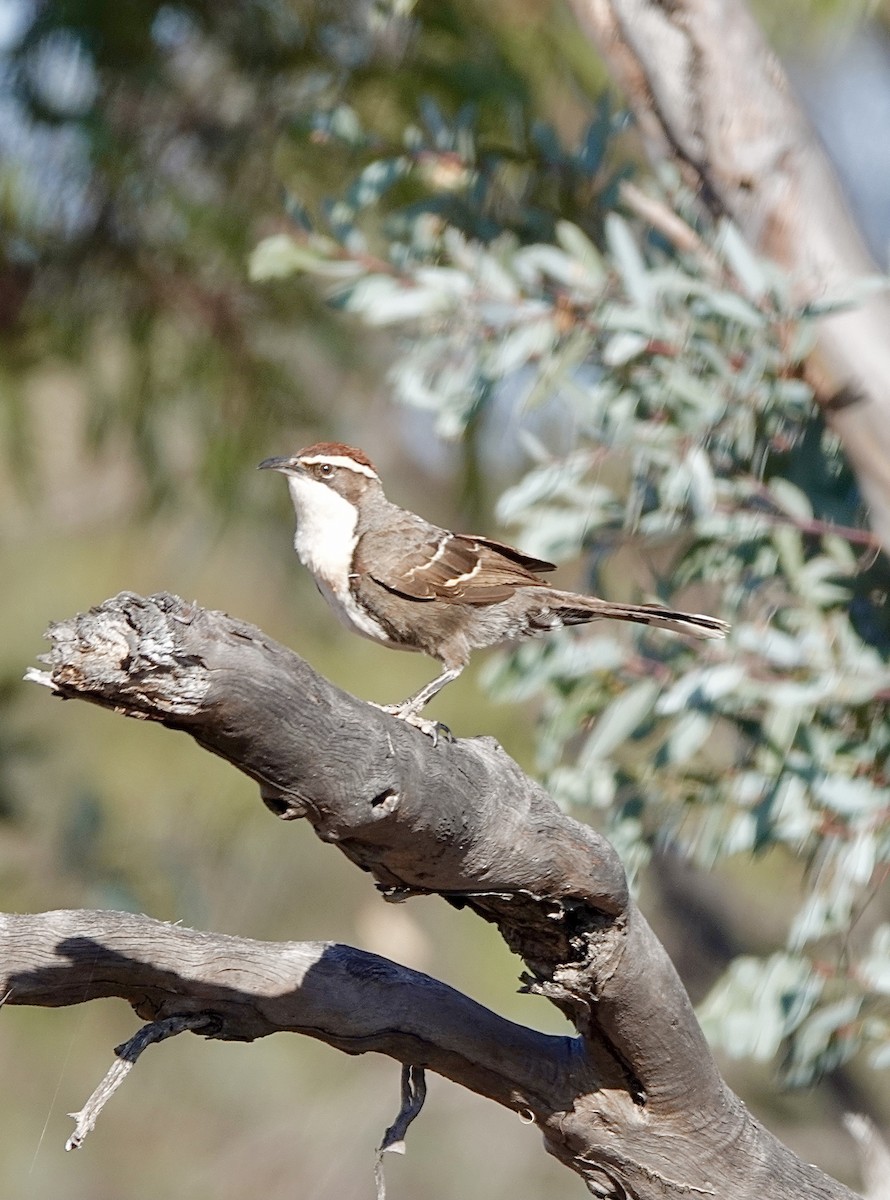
[[340, 460]]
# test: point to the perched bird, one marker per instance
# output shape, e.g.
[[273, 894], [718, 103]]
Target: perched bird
[[395, 578]]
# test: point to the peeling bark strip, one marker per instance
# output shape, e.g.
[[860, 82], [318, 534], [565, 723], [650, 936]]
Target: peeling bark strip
[[709, 94], [634, 1104]]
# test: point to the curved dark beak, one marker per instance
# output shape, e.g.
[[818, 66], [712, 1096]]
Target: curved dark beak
[[287, 465]]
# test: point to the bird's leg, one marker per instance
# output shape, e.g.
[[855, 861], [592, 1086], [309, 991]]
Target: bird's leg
[[422, 698], [409, 710]]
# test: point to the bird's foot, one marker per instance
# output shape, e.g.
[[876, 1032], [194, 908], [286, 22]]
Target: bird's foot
[[432, 729]]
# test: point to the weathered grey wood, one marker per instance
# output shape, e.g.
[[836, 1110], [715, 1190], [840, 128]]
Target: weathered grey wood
[[356, 1001], [709, 95], [125, 1058], [635, 1104]]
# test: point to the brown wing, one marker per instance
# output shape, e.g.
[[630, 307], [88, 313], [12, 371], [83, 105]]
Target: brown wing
[[517, 556], [450, 567]]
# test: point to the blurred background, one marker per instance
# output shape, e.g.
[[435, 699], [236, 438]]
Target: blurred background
[[145, 150]]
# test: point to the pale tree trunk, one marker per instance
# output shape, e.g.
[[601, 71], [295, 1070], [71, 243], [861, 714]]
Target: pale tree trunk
[[633, 1101], [709, 95]]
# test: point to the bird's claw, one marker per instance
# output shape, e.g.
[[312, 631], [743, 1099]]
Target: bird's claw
[[432, 729], [436, 729]]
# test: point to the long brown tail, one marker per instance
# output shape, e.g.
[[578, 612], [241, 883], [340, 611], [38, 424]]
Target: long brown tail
[[572, 609]]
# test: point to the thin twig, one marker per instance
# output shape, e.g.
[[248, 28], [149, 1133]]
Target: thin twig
[[413, 1096], [674, 228], [127, 1054], [812, 525]]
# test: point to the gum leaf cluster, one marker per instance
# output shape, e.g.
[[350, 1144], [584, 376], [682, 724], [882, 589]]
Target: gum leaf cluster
[[649, 366]]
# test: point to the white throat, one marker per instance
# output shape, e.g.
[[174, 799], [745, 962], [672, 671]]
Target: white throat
[[325, 537], [325, 543]]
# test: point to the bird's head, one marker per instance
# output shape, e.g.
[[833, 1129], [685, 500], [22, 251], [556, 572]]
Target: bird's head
[[319, 472]]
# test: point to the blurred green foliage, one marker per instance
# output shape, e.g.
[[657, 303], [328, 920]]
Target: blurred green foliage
[[449, 174], [651, 370]]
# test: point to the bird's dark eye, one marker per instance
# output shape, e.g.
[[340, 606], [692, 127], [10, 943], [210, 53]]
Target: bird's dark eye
[[326, 469]]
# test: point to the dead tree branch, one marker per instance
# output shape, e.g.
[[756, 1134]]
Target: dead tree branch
[[126, 1057], [635, 1104], [240, 990]]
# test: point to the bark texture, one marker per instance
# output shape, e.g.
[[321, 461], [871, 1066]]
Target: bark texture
[[634, 1103], [710, 95]]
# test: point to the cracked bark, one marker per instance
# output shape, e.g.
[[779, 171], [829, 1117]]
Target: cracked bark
[[709, 95], [634, 1103]]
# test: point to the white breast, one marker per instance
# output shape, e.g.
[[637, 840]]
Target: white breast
[[325, 541]]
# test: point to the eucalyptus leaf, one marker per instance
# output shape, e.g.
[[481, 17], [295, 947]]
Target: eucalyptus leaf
[[385, 301], [622, 717], [628, 260], [875, 966], [688, 736], [622, 347], [741, 260], [576, 243], [758, 1003], [279, 256]]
